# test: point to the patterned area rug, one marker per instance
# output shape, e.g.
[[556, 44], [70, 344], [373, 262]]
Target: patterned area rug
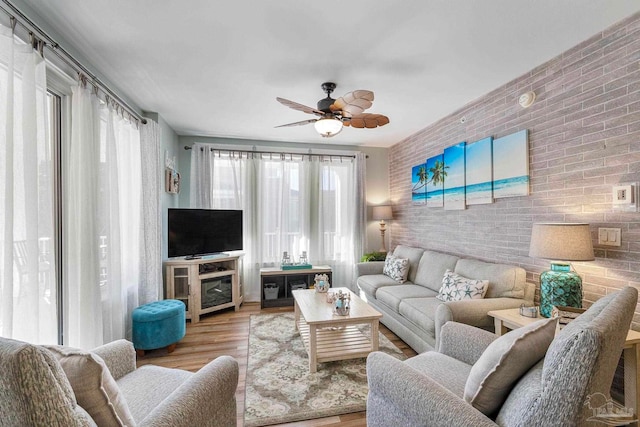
[[279, 387]]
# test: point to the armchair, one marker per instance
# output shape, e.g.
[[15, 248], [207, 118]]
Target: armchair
[[428, 389], [35, 391]]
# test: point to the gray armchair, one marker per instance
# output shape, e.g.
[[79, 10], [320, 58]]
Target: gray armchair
[[34, 390], [428, 389]]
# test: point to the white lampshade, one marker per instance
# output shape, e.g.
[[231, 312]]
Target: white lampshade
[[382, 212], [561, 242], [328, 127]]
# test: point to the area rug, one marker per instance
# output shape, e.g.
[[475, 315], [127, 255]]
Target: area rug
[[279, 388]]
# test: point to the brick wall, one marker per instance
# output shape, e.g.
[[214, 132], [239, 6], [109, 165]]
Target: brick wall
[[584, 137]]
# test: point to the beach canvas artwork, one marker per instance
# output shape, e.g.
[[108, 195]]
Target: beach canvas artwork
[[454, 194], [511, 165], [479, 172], [436, 172], [419, 184]]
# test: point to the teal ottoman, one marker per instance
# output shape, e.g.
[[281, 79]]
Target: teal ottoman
[[158, 324]]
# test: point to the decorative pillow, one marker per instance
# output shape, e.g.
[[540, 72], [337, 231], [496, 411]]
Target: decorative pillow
[[95, 389], [504, 361], [396, 268], [456, 287]]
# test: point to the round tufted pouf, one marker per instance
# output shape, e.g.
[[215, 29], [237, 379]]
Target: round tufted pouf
[[158, 324]]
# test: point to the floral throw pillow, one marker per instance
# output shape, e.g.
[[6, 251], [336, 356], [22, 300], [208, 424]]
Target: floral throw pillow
[[456, 287], [396, 268]]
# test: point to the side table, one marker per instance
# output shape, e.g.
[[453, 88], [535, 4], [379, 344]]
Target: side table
[[505, 320], [283, 282]]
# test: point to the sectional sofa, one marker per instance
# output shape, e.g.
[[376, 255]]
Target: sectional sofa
[[411, 309]]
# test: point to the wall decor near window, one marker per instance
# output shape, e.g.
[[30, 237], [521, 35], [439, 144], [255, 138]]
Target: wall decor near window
[[511, 165], [479, 172], [172, 181], [419, 184], [454, 195], [436, 173]]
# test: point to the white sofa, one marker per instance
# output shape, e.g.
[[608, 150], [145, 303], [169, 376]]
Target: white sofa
[[411, 309]]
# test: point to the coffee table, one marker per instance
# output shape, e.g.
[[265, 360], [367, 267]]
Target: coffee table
[[328, 336]]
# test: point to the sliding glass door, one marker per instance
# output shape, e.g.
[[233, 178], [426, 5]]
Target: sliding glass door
[[52, 249], [28, 285]]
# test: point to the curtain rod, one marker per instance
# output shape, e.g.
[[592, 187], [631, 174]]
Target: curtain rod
[[65, 56], [226, 150]]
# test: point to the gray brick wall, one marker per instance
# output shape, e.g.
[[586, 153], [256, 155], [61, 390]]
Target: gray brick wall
[[584, 137]]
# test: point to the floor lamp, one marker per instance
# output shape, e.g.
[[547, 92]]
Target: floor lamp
[[560, 242], [381, 213]]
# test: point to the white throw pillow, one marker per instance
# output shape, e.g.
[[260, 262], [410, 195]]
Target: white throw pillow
[[396, 268], [504, 361], [456, 287], [95, 389]]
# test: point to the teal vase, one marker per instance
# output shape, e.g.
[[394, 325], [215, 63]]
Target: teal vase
[[559, 288]]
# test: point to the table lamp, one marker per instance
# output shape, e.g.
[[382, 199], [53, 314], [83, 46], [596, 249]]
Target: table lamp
[[560, 242], [381, 213]]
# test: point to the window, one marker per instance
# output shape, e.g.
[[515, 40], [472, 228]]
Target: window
[[291, 204], [28, 284]]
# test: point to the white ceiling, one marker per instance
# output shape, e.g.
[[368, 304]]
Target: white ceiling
[[214, 68]]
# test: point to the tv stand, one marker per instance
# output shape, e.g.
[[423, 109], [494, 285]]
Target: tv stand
[[205, 284]]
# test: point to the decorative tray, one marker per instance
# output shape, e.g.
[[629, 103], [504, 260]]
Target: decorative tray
[[296, 266]]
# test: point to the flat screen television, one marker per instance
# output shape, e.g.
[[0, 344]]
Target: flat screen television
[[197, 232]]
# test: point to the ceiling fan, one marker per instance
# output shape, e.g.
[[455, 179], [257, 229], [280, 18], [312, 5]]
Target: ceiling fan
[[333, 114]]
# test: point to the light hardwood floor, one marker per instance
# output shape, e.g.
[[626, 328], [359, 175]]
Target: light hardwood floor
[[227, 332]]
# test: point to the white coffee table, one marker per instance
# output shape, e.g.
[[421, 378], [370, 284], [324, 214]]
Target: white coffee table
[[328, 336]]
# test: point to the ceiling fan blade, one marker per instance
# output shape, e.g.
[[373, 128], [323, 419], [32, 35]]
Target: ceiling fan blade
[[304, 122], [353, 103], [299, 107], [367, 120]]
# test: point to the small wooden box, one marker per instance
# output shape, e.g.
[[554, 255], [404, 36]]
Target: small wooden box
[[566, 314]]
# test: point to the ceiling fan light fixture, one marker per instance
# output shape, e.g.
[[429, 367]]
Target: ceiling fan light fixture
[[328, 127], [333, 114]]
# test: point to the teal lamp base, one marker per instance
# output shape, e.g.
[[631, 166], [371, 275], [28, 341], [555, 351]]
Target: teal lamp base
[[559, 286]]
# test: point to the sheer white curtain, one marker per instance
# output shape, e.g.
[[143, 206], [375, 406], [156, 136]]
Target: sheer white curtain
[[339, 238], [103, 223], [223, 181], [27, 277], [290, 203], [216, 179], [151, 287], [283, 205]]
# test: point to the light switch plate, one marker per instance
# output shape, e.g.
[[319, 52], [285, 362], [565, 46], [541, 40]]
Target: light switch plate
[[609, 236]]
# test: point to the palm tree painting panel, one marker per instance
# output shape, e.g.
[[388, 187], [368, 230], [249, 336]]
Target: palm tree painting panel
[[436, 172], [511, 165], [454, 194], [419, 184], [479, 172]]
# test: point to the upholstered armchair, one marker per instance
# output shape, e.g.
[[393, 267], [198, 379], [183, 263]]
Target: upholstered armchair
[[60, 386], [441, 388]]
